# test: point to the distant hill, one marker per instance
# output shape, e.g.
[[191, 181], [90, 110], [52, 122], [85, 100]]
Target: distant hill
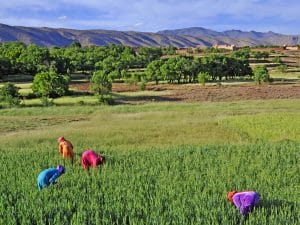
[[187, 37]]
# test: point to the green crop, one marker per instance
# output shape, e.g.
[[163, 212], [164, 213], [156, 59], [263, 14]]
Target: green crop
[[182, 181]]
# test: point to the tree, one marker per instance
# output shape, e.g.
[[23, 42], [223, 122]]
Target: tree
[[170, 50], [34, 59], [5, 66], [101, 85], [50, 84], [203, 77], [261, 74], [257, 55], [243, 53], [59, 61], [75, 44], [9, 94], [12, 51], [153, 71], [148, 54]]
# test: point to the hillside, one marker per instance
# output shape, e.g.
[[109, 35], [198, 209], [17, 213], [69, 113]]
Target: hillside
[[188, 37]]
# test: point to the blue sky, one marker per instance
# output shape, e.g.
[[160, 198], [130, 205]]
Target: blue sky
[[280, 16]]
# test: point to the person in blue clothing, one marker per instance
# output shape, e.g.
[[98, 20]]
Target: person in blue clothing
[[49, 176]]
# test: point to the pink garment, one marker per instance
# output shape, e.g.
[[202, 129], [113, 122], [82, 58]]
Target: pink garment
[[90, 158]]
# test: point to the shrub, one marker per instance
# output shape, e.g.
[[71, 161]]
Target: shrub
[[50, 84], [9, 94], [261, 74], [143, 84], [282, 68], [106, 99], [203, 77], [276, 59], [101, 85]]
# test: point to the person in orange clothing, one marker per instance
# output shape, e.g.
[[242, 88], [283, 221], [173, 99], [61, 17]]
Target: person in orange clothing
[[66, 148]]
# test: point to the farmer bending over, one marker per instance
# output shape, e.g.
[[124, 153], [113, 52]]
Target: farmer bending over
[[90, 158], [244, 201], [66, 148], [49, 176]]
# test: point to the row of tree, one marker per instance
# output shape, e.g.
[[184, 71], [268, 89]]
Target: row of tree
[[51, 67], [17, 58], [186, 69]]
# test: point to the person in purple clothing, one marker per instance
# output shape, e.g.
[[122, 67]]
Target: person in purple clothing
[[244, 201]]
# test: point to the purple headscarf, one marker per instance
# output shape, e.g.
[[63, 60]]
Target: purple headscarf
[[61, 168]]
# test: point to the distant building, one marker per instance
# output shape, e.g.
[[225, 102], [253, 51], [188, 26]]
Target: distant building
[[181, 50], [293, 48], [228, 47]]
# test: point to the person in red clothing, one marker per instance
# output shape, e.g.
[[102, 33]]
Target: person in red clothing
[[66, 148], [245, 201], [91, 159]]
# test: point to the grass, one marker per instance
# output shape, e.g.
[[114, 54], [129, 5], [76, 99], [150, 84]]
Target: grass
[[167, 163], [287, 75], [162, 124]]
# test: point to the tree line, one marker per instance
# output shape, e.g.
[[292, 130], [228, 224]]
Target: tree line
[[17, 58], [51, 67]]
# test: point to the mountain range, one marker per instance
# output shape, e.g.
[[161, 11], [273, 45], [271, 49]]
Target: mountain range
[[186, 37]]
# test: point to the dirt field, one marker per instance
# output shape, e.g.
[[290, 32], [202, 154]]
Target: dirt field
[[198, 93]]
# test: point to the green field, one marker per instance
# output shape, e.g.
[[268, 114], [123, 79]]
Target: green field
[[167, 163]]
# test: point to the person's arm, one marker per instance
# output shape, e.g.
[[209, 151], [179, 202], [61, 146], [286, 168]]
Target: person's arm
[[52, 180], [237, 201]]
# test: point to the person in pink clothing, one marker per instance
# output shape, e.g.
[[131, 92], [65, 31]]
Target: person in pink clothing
[[245, 201], [90, 158]]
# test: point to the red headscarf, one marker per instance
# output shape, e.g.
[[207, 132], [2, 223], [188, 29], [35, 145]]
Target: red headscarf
[[60, 139], [230, 195]]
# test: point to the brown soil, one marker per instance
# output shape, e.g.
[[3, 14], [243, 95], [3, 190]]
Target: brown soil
[[198, 93]]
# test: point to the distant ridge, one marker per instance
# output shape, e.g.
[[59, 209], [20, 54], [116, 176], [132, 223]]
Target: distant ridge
[[186, 37]]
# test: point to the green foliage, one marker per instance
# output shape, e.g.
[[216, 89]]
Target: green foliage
[[46, 101], [203, 77], [5, 65], [261, 74], [101, 85], [282, 68], [116, 61], [148, 54], [9, 94], [143, 84], [170, 50], [75, 44], [151, 186], [260, 55], [214, 50], [153, 71], [34, 59], [277, 59], [242, 54], [50, 84], [105, 99]]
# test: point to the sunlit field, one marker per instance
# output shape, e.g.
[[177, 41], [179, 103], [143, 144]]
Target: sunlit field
[[167, 163]]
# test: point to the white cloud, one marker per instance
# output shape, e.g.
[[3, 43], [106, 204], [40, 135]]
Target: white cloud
[[62, 18], [138, 24]]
